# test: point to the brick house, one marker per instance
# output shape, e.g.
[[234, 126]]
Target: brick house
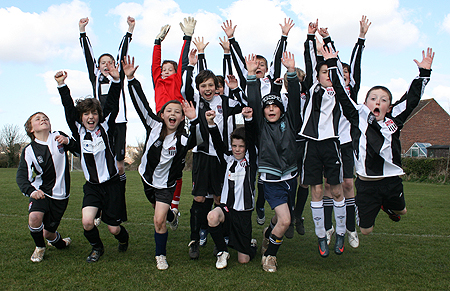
[[428, 123]]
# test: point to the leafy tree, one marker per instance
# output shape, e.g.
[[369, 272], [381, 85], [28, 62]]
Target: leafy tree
[[11, 141]]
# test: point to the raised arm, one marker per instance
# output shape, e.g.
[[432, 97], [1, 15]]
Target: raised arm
[[124, 44], [403, 107], [310, 55], [275, 68], [88, 52], [236, 53], [227, 68], [187, 88], [188, 30], [293, 110], [348, 106], [254, 88], [156, 59], [201, 45], [355, 60]]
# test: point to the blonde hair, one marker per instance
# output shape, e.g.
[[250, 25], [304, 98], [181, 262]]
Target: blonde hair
[[29, 128]]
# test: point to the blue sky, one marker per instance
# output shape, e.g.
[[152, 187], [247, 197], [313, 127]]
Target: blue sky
[[42, 38]]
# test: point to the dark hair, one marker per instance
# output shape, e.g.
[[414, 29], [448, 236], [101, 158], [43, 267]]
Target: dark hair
[[379, 88], [238, 133], [260, 57], [180, 128], [203, 76], [319, 65], [345, 65], [220, 81], [89, 104], [106, 55], [28, 126], [174, 64]]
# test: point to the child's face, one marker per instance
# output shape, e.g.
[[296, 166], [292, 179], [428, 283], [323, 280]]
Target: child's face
[[324, 78], [272, 113], [379, 103], [238, 148], [346, 76], [102, 64], [40, 123], [262, 68], [219, 89], [90, 119], [172, 116], [207, 89], [167, 70]]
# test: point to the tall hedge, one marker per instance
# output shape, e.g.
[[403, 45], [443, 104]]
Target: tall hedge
[[425, 169]]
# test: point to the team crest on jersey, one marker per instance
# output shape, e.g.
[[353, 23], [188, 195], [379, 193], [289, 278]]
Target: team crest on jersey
[[201, 105], [371, 118], [226, 208], [303, 96], [61, 148], [40, 159], [347, 89], [157, 143], [98, 132], [219, 109], [30, 205], [391, 125], [265, 79], [172, 151], [330, 91], [243, 163], [283, 126]]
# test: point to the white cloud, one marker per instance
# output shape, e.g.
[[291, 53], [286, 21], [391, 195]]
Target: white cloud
[[77, 81], [446, 23], [390, 28], [37, 37]]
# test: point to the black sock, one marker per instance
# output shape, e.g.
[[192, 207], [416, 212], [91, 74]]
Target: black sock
[[38, 235], [302, 196], [122, 236], [196, 213], [58, 242], [93, 236], [217, 236], [350, 208], [261, 200], [274, 245], [269, 229], [328, 212], [170, 215]]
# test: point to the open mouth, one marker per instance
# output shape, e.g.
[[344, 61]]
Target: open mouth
[[208, 94], [376, 111], [172, 120]]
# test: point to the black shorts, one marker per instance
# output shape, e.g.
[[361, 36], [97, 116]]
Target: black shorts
[[53, 210], [322, 158], [348, 161], [120, 141], [161, 195], [109, 198], [207, 175], [239, 224], [371, 195], [300, 152]]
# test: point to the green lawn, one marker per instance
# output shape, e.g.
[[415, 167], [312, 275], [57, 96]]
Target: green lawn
[[412, 254]]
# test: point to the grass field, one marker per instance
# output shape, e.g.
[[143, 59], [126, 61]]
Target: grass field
[[412, 254]]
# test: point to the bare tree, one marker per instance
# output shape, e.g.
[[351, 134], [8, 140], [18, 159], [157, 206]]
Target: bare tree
[[11, 141]]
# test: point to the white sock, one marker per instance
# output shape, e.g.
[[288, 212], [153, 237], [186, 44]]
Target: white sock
[[318, 218], [340, 216]]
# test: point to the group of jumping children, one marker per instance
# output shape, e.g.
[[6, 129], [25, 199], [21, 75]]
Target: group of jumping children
[[314, 135]]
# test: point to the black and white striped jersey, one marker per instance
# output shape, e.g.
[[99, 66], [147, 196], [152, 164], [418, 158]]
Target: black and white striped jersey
[[224, 107], [44, 166], [163, 160], [322, 111], [376, 144], [355, 83], [238, 191], [274, 71], [97, 158], [101, 83]]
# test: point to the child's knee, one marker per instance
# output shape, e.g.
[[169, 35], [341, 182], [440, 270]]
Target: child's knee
[[88, 223], [402, 212], [366, 231], [199, 199], [213, 218], [159, 221], [114, 229], [34, 220]]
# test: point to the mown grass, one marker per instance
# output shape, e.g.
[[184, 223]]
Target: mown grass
[[410, 255]]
